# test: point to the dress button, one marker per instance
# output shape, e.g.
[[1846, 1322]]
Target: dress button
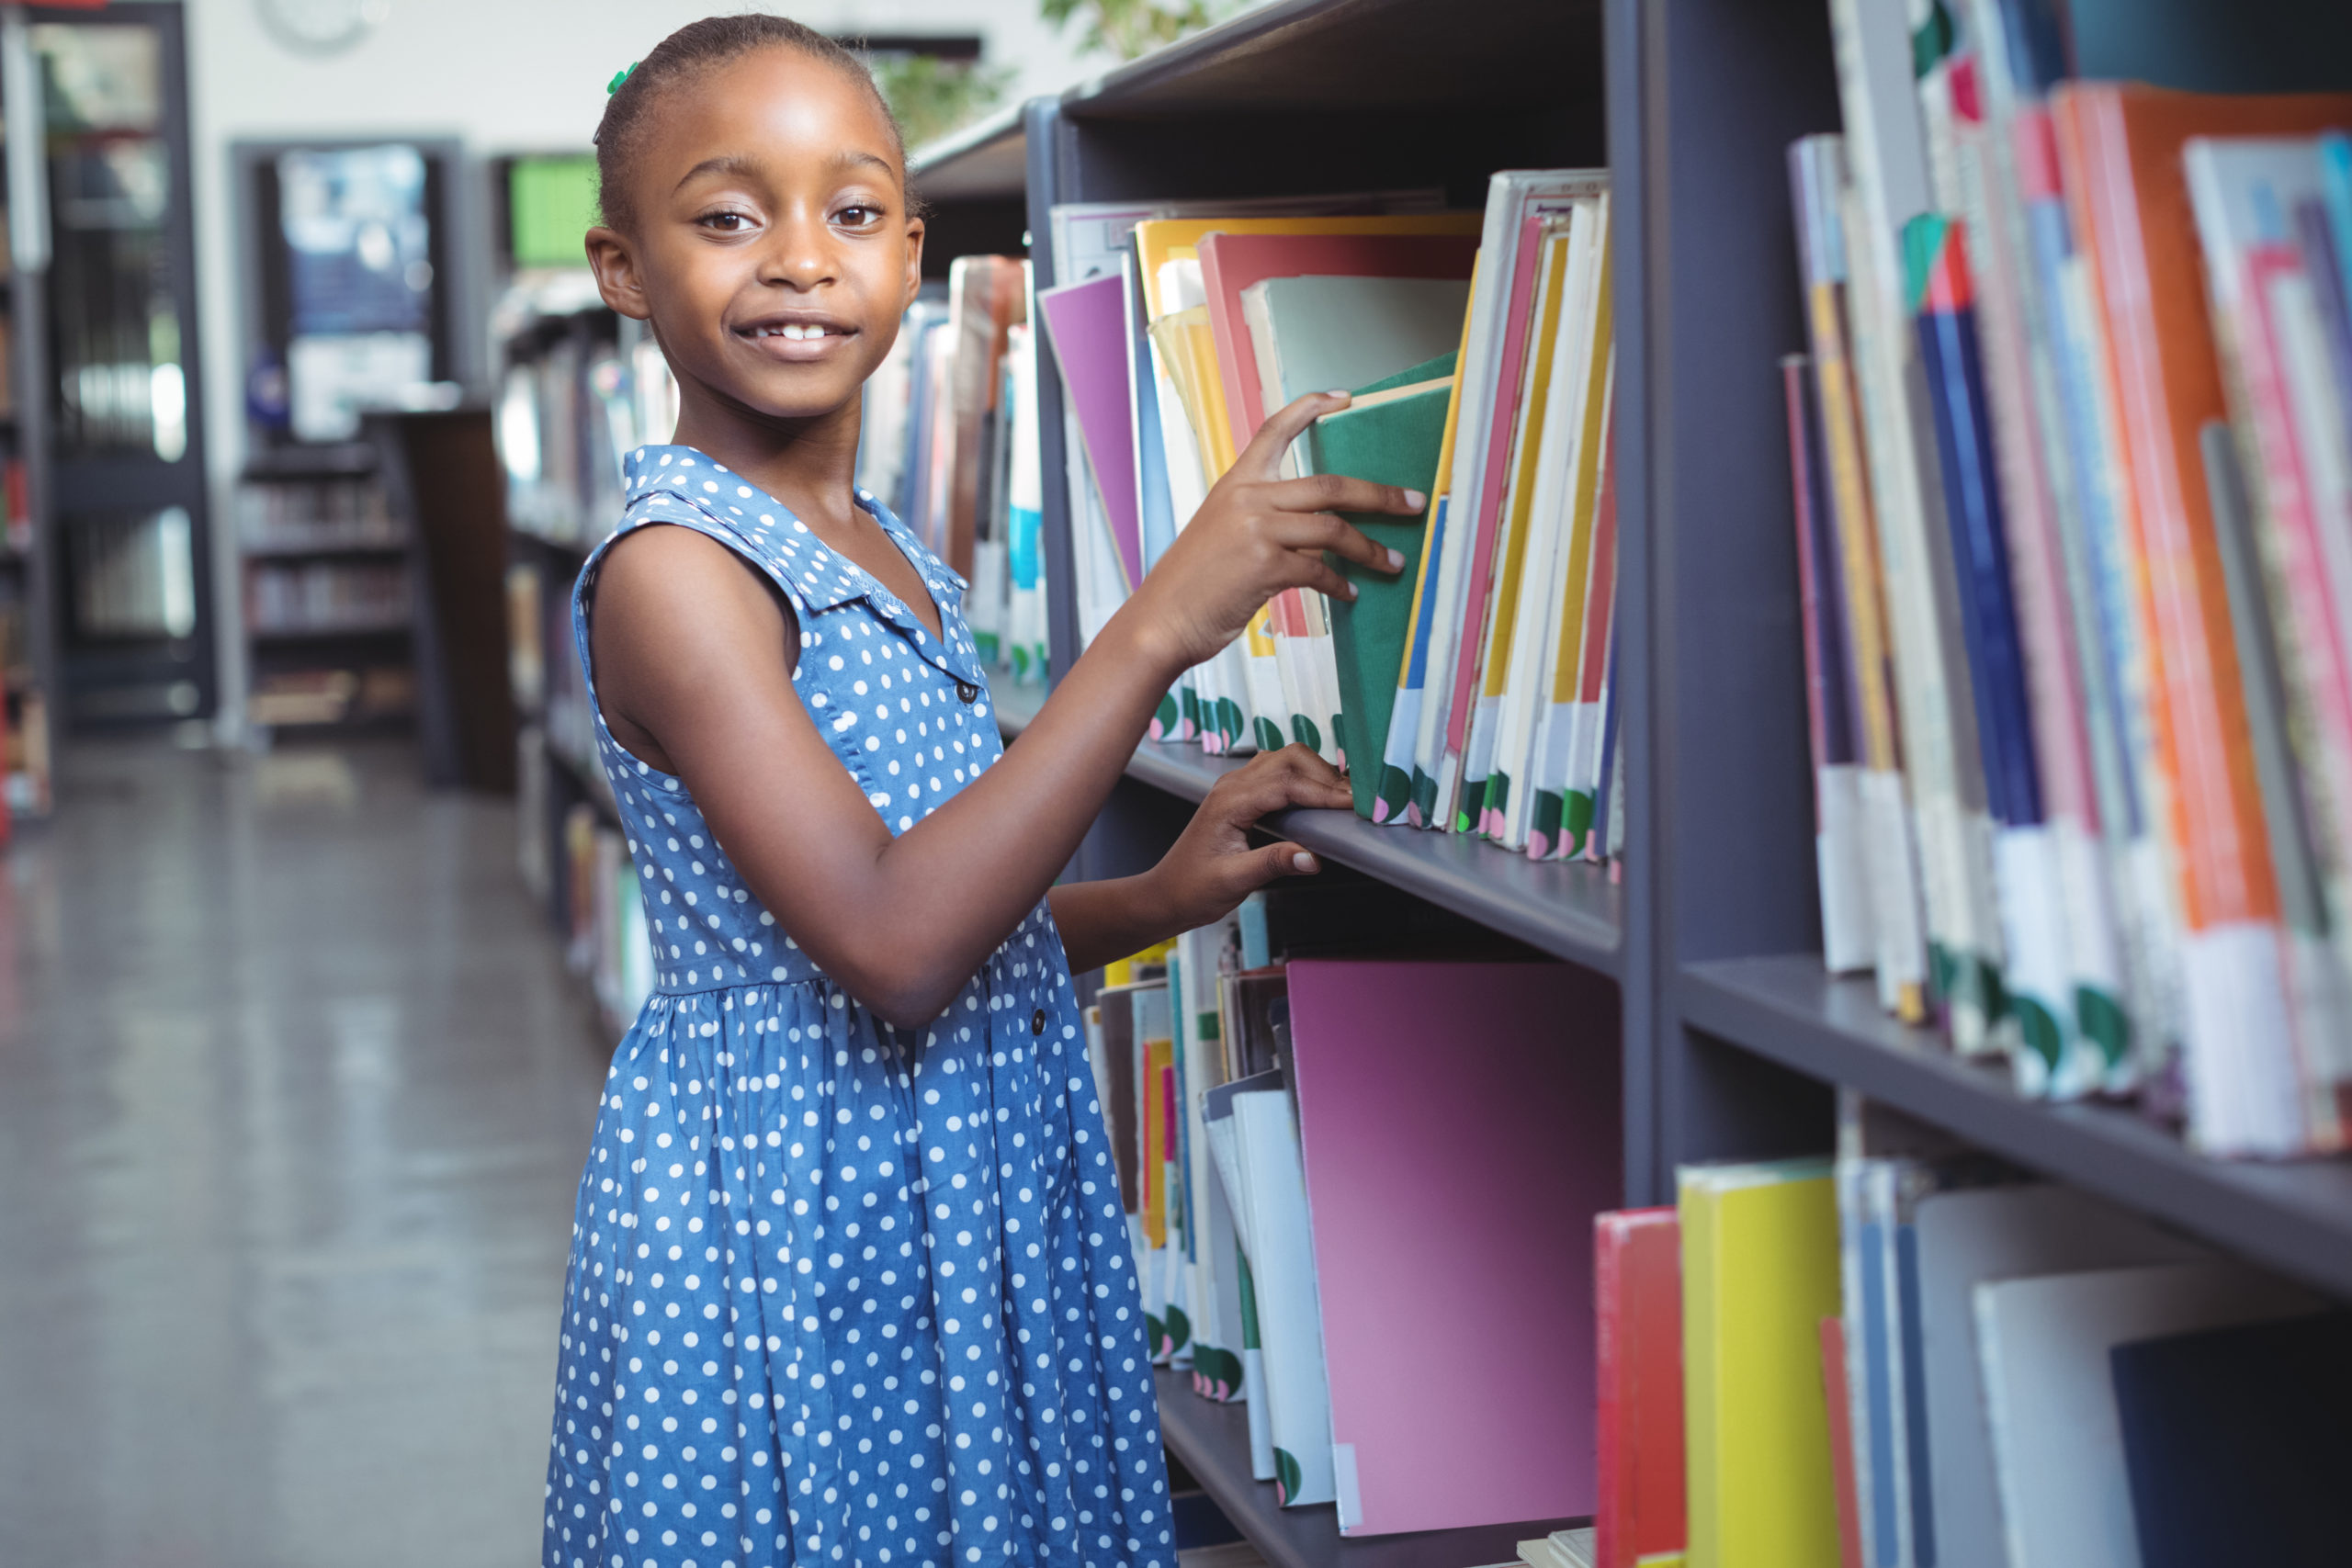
[[966, 691], [1037, 1022]]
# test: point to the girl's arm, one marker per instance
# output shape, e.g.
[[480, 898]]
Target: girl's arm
[[685, 635]]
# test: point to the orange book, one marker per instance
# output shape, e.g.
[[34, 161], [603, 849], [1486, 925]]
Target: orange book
[[2121, 149]]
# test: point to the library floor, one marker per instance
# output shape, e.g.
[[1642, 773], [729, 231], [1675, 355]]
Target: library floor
[[293, 1095]]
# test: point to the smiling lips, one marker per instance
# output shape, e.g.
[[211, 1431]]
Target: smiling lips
[[796, 340]]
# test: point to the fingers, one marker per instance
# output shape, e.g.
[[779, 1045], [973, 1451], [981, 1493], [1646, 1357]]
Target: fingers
[[1322, 531], [1292, 776], [1338, 492], [1264, 457], [1278, 860]]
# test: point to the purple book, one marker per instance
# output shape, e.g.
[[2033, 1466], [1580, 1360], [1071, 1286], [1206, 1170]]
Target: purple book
[[1460, 1128], [1087, 323]]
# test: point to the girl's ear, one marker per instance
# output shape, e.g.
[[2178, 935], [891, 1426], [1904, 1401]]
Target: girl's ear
[[914, 262], [614, 264]]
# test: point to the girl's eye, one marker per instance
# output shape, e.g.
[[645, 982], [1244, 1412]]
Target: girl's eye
[[726, 223], [859, 216]]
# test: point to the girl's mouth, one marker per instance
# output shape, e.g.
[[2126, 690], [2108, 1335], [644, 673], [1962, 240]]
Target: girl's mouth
[[796, 341]]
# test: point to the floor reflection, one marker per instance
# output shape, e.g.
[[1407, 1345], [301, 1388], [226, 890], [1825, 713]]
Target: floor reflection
[[293, 1095]]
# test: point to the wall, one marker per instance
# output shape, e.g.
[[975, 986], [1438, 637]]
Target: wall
[[504, 75]]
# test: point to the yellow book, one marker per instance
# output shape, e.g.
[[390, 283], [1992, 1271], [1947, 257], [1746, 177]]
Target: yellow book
[[1160, 1055], [1759, 1272]]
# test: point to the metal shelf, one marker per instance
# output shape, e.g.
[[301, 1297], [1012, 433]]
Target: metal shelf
[[2295, 1217], [354, 631], [1568, 908], [1213, 1441], [1301, 57], [291, 549]]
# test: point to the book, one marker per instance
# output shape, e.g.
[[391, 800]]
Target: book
[[1456, 593], [1942, 290], [1225, 1152], [1884, 145], [1962, 1239], [1839, 1399], [1232, 263], [2050, 1400], [2235, 1442], [1759, 1271], [1638, 1516], [1841, 863], [1453, 1191], [1297, 1398], [1393, 437], [2120, 147], [1086, 322]]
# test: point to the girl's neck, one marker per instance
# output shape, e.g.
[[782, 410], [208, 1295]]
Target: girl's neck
[[810, 465]]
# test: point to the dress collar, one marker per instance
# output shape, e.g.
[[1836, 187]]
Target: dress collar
[[820, 577]]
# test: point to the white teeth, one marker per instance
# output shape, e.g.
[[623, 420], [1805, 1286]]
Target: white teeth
[[793, 330]]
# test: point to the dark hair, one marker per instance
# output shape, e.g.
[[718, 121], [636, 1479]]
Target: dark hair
[[689, 52]]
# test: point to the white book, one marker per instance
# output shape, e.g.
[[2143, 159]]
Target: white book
[[1559, 565], [1225, 1148], [1290, 1319], [1965, 1238], [2057, 1445]]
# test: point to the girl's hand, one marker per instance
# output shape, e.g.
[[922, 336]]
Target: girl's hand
[[1211, 867], [1257, 534]]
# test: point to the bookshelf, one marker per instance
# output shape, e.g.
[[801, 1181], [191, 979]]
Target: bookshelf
[[1735, 1040]]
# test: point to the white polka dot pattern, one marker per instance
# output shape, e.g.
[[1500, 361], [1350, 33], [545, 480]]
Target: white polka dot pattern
[[839, 1294]]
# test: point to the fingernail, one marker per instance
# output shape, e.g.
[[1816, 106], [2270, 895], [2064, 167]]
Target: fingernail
[[1303, 861], [1340, 394], [1396, 560], [1352, 590], [1416, 500]]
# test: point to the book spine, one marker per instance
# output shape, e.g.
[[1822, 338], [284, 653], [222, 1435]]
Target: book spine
[[1576, 784], [1613, 1457], [1943, 289], [1953, 853], [2098, 993], [2238, 1022], [1846, 937], [1893, 906]]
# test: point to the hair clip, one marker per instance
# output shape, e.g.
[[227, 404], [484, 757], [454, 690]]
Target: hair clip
[[621, 77]]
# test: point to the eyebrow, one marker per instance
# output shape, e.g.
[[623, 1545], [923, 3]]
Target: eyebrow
[[744, 164]]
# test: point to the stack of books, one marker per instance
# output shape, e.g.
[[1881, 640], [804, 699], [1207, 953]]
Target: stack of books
[[1909, 1354], [1359, 1191], [950, 443], [2073, 486], [1471, 693]]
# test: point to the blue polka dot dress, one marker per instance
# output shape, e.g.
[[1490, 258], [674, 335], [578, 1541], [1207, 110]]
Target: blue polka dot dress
[[841, 1294]]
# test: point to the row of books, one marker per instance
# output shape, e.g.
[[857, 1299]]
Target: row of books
[[1470, 692], [333, 693], [607, 942], [318, 596], [1359, 1191], [315, 515], [949, 442], [1909, 1355], [2073, 485], [567, 415]]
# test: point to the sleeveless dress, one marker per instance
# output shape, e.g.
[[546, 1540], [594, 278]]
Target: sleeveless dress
[[842, 1293]]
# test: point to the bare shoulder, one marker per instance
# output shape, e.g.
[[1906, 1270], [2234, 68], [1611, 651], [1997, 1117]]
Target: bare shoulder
[[680, 622]]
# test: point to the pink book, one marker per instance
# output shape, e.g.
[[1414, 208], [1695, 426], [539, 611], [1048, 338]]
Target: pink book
[[1087, 323], [1460, 1128], [1231, 263], [1490, 494]]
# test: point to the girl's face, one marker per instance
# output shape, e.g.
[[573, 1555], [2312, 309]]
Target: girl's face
[[773, 249]]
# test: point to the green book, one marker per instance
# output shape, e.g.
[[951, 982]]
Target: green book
[[1389, 435]]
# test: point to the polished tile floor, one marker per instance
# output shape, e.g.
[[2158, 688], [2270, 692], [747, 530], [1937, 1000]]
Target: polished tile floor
[[293, 1095]]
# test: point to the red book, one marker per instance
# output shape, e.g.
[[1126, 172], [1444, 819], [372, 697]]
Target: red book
[[1231, 263], [1637, 1286], [1841, 1441]]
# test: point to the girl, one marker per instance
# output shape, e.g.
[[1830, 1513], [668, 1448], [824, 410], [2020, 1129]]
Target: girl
[[849, 1282]]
